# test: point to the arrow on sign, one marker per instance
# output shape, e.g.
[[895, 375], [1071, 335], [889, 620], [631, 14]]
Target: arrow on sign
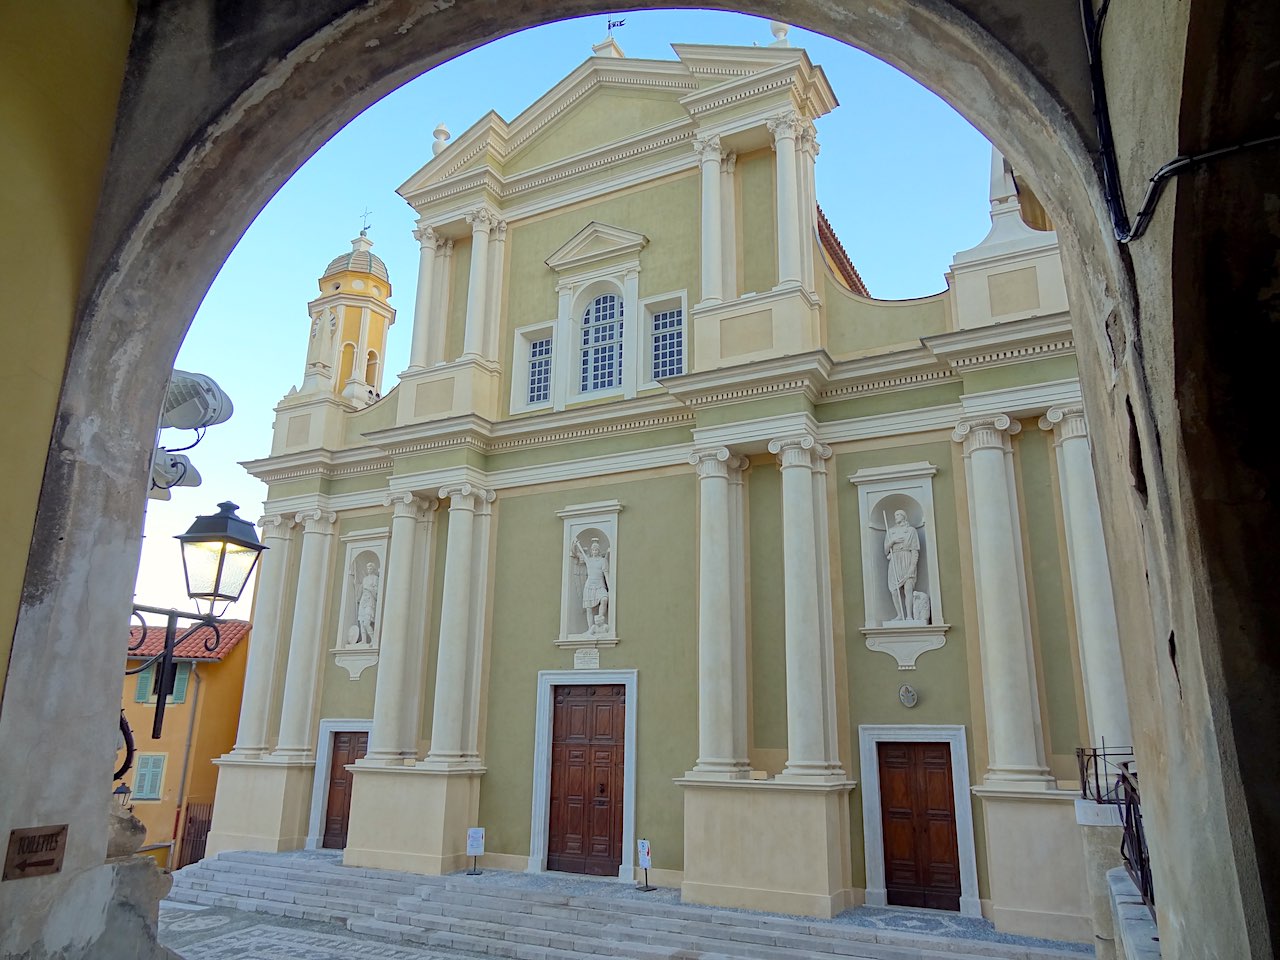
[[27, 864]]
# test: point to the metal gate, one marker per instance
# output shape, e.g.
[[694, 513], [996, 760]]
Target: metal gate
[[195, 831]]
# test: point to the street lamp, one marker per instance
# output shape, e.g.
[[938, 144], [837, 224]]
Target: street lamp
[[219, 552]]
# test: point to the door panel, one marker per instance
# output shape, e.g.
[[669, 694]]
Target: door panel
[[347, 749], [587, 751], [921, 852]]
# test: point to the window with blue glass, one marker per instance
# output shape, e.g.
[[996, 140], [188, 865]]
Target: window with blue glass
[[668, 344], [601, 357], [540, 370]]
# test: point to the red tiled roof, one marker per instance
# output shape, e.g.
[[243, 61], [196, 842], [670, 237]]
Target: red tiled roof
[[192, 648], [835, 250]]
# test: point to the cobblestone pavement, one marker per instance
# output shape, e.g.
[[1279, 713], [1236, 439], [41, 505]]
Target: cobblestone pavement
[[222, 933]]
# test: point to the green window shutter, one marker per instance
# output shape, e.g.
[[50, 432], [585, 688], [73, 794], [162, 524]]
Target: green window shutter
[[145, 679], [180, 683], [146, 783]]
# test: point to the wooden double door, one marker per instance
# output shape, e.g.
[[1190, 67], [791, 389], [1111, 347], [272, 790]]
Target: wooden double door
[[917, 802], [587, 762], [348, 747]]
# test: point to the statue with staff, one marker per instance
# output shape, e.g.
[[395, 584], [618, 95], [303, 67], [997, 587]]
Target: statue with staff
[[595, 590], [902, 548]]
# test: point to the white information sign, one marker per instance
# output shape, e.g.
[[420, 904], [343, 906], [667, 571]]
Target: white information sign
[[475, 841], [645, 861], [586, 658]]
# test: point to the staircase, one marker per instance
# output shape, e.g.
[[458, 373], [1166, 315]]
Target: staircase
[[515, 916]]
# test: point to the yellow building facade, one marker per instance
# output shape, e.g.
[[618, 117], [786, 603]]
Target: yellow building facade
[[173, 778]]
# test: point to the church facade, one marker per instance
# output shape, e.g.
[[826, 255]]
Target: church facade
[[670, 531]]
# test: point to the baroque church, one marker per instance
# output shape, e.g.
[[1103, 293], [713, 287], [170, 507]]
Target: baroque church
[[670, 531]]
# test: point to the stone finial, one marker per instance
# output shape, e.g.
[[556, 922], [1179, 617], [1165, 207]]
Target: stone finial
[[779, 31], [441, 134]]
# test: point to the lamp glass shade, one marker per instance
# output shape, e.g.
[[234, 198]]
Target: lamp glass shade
[[218, 554]]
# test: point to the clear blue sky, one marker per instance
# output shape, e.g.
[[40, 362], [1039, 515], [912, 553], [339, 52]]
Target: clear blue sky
[[902, 177]]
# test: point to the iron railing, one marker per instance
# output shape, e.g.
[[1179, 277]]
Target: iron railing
[[1133, 848], [1100, 769]]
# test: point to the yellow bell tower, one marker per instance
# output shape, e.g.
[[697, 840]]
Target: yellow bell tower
[[346, 355]]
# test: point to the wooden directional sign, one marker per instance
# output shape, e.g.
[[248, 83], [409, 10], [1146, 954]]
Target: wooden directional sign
[[35, 851]]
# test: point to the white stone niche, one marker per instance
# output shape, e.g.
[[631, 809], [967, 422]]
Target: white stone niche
[[882, 491], [353, 651], [584, 523]]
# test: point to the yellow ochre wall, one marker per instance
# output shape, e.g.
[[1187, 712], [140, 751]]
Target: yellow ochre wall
[[57, 110]]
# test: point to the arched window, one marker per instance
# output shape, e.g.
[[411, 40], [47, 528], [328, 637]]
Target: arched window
[[602, 344]]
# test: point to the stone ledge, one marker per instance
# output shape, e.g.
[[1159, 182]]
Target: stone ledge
[[1136, 933]]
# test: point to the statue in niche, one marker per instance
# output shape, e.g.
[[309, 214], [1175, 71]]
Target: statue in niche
[[902, 549], [595, 586], [366, 605]]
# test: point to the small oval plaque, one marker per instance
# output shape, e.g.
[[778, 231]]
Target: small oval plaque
[[907, 694]]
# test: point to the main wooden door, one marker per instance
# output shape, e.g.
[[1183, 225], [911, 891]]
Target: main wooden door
[[587, 750], [921, 854], [347, 749]]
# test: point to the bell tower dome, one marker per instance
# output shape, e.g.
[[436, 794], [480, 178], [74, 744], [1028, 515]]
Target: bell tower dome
[[349, 324]]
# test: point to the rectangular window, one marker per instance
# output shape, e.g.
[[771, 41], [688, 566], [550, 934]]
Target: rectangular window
[[540, 370], [668, 343], [149, 777], [145, 692], [602, 345]]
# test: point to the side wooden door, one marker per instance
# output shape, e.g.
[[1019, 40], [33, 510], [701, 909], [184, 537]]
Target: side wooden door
[[921, 853], [587, 753], [347, 749]]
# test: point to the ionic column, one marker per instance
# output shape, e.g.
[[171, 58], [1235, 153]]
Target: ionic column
[[807, 153], [1008, 672], [708, 152], [482, 221], [497, 254], [306, 645], [785, 129], [807, 752], [716, 674], [420, 346], [389, 741], [738, 590], [253, 730], [448, 718], [1096, 627], [437, 339]]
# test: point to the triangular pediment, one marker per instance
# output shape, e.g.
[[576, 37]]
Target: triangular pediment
[[596, 243]]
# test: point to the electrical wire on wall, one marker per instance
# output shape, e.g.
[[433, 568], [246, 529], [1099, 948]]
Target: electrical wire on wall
[[1113, 191]]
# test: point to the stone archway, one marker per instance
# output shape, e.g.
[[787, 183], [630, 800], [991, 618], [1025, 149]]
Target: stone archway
[[220, 109]]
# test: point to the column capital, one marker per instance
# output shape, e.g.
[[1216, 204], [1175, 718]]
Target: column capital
[[276, 524], [1066, 422], [800, 450], [707, 147], [712, 462], [785, 125], [729, 162], [427, 238], [482, 220], [809, 138], [411, 505], [316, 520], [986, 433], [466, 495]]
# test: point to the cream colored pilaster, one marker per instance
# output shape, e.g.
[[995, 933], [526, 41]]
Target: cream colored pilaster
[[448, 724], [1015, 747], [717, 687], [808, 751], [632, 334], [826, 628], [1096, 627], [259, 675], [424, 303], [438, 335], [738, 591], [389, 741], [482, 221], [807, 154], [360, 366], [297, 712], [493, 314], [728, 228], [785, 129], [708, 151]]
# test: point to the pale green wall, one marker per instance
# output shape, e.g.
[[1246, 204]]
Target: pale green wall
[[657, 627], [617, 443], [890, 401], [767, 626], [1048, 592], [1019, 374], [459, 276], [601, 117], [757, 223], [855, 324], [378, 416]]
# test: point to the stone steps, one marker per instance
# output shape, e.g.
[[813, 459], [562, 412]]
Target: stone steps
[[491, 916]]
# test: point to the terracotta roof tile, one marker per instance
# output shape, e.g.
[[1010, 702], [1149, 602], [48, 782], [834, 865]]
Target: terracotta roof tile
[[835, 250], [192, 648]]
